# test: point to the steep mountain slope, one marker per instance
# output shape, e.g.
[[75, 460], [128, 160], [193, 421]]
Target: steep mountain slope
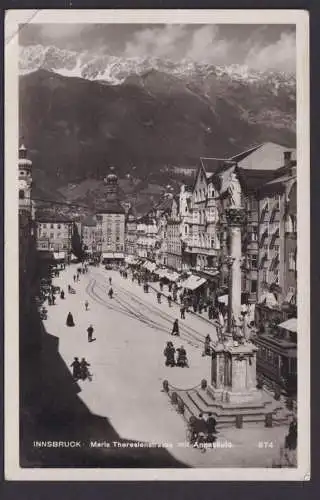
[[81, 113]]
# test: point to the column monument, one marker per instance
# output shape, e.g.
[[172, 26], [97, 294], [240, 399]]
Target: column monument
[[233, 374]]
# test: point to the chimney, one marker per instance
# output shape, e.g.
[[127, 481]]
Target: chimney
[[287, 157]]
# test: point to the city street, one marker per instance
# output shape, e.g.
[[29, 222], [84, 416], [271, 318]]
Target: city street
[[127, 364]]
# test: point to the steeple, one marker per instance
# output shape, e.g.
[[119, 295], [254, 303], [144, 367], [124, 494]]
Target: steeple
[[112, 204], [25, 179]]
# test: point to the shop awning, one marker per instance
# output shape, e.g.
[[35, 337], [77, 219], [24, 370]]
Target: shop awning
[[59, 255], [290, 325], [150, 266], [269, 299], [193, 282], [160, 272], [172, 276], [107, 255], [118, 255], [223, 299], [112, 255]]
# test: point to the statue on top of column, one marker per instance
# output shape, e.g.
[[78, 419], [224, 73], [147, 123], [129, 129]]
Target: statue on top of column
[[234, 191]]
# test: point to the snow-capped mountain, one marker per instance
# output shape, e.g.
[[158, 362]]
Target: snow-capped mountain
[[80, 112], [115, 70]]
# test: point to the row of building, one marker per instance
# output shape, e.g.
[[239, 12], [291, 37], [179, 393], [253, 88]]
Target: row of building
[[188, 232]]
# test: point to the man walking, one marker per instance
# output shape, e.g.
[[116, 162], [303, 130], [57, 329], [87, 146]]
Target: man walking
[[90, 333], [182, 312], [86, 305]]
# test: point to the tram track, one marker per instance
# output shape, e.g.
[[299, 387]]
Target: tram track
[[124, 301]]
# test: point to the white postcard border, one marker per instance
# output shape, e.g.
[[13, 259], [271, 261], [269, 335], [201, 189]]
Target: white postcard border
[[13, 471]]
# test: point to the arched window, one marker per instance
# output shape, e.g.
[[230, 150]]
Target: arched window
[[21, 194]]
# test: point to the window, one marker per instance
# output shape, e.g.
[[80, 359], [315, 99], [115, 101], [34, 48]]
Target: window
[[21, 194], [58, 235], [254, 234], [59, 226], [51, 226], [265, 275], [44, 234], [253, 286], [292, 261], [117, 238], [253, 259]]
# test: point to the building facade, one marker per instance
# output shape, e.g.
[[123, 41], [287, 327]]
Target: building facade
[[147, 237], [111, 223], [174, 242], [201, 245], [54, 234], [89, 236], [131, 234], [277, 274]]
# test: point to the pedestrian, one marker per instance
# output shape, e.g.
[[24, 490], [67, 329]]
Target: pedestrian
[[53, 299], [170, 287], [182, 312], [169, 352], [159, 297], [211, 427], [69, 288], [181, 298], [74, 278], [49, 300], [147, 288], [62, 294], [169, 300], [182, 357], [110, 293], [84, 371], [161, 286], [86, 305], [175, 328], [70, 321], [75, 365], [174, 295], [90, 333], [207, 347]]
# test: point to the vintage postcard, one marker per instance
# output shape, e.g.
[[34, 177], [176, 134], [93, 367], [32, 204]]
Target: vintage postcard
[[157, 245]]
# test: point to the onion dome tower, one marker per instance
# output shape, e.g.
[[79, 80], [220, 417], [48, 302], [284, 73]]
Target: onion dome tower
[[112, 193], [25, 179]]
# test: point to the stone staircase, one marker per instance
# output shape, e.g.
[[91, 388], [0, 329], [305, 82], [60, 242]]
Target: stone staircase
[[198, 400]]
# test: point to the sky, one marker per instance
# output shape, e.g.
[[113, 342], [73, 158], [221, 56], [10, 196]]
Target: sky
[[261, 47]]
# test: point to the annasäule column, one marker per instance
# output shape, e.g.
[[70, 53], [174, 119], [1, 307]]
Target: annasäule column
[[235, 217]]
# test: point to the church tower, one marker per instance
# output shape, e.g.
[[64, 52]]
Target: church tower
[[25, 180]]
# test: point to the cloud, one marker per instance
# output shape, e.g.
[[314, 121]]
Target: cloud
[[157, 41], [280, 55], [207, 46]]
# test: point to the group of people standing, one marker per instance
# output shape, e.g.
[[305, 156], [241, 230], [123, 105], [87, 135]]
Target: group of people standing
[[80, 369], [171, 360]]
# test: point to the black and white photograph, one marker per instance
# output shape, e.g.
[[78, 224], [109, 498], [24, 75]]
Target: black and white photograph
[[157, 279]]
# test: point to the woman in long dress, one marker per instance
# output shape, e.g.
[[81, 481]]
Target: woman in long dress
[[70, 321]]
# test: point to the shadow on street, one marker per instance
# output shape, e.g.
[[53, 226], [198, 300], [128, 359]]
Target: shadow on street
[[51, 410]]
